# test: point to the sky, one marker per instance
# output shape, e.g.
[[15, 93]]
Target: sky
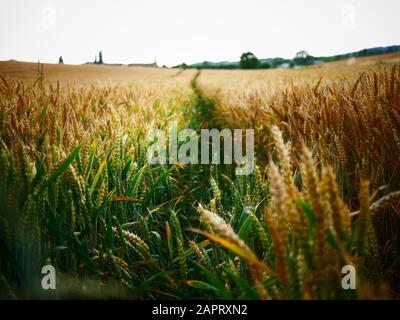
[[176, 31]]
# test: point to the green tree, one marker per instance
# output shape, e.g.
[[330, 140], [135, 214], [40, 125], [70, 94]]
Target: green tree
[[101, 58], [249, 61], [302, 58], [60, 60]]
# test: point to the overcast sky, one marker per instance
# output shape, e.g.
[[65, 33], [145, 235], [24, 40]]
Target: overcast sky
[[176, 31]]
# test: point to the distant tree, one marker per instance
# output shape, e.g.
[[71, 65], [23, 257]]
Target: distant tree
[[265, 65], [302, 58], [302, 54], [249, 61], [60, 60], [100, 58]]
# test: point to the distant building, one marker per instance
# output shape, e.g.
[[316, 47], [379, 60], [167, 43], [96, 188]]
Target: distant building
[[99, 61], [114, 64], [147, 65], [284, 65]]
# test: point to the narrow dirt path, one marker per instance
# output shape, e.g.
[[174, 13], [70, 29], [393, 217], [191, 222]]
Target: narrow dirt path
[[197, 176], [204, 106]]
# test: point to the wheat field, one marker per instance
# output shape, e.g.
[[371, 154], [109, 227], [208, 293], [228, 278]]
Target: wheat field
[[77, 191]]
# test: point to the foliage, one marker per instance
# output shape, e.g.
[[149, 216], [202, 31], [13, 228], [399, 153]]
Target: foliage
[[249, 61]]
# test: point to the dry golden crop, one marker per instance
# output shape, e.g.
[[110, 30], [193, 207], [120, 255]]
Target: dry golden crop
[[77, 191], [348, 116]]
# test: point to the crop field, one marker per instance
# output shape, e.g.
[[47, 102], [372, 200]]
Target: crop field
[[78, 192]]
